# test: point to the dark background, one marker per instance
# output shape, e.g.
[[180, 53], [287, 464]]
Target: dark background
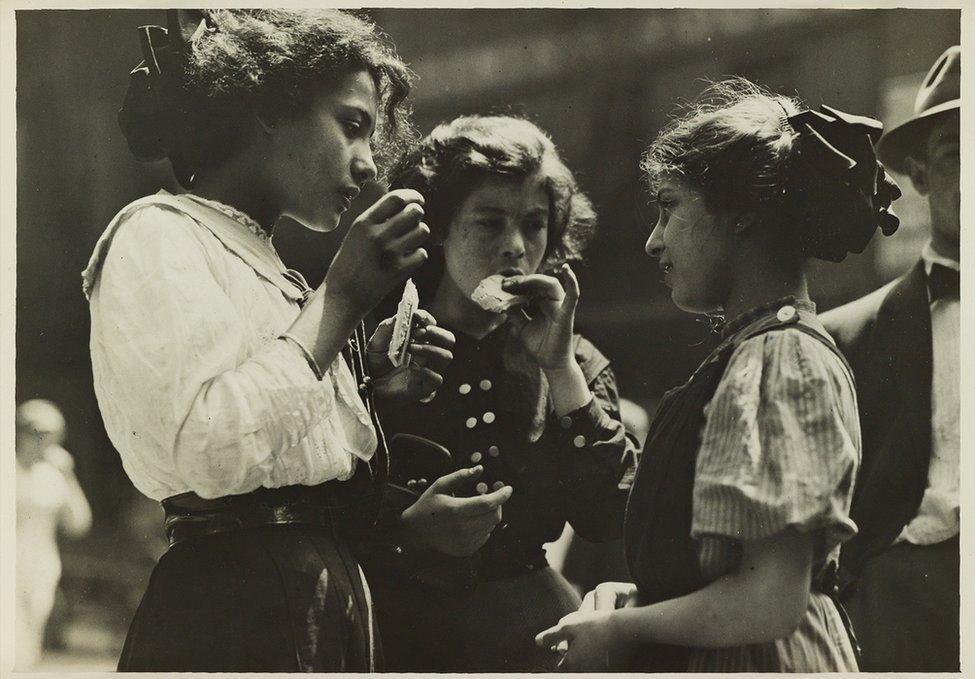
[[601, 82]]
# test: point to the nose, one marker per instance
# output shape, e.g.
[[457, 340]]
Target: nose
[[514, 245], [655, 242], [363, 167]]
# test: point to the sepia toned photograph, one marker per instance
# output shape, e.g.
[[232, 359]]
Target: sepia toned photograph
[[487, 339]]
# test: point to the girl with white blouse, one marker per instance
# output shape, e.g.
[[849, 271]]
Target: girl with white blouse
[[223, 381]]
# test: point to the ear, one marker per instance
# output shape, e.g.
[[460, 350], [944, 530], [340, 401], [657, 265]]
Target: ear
[[917, 171]]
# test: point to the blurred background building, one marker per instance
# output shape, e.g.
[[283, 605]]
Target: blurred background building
[[602, 82]]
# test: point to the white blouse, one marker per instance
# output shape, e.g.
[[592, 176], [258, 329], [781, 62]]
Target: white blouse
[[196, 389]]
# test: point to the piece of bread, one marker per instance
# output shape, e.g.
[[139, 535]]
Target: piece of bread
[[400, 340], [490, 296]]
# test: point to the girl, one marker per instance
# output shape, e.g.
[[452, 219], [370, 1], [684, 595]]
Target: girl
[[741, 503], [218, 372], [528, 400]]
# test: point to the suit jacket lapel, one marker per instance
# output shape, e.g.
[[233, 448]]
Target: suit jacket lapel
[[894, 397], [904, 333]]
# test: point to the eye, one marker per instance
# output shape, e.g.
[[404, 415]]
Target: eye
[[535, 225], [351, 126], [491, 223]]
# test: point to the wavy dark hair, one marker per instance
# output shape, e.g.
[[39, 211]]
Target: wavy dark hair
[[751, 151], [270, 61], [453, 160]]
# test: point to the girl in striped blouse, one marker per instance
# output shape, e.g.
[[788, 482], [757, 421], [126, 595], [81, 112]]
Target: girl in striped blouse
[[741, 500]]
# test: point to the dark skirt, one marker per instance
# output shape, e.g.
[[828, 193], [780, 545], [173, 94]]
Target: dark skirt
[[489, 628], [283, 598]]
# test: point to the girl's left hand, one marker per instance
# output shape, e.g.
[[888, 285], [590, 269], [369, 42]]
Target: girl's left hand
[[548, 336], [430, 354], [590, 642]]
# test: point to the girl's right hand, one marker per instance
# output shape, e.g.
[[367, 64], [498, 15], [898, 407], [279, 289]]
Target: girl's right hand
[[609, 596], [456, 526], [380, 250]]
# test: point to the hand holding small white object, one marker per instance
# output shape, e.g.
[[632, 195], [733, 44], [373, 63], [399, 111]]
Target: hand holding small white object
[[400, 341], [490, 296]]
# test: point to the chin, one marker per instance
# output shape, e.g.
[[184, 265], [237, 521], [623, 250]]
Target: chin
[[693, 305], [322, 223]]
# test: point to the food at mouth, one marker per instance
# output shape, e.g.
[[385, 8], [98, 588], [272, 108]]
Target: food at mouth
[[490, 296], [403, 324]]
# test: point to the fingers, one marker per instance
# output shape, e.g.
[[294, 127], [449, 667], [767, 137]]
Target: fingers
[[410, 239], [483, 504], [456, 481], [429, 356], [413, 260], [422, 318], [391, 204], [536, 286], [570, 283], [433, 335], [428, 379], [553, 636], [604, 598], [381, 336], [589, 601], [478, 529]]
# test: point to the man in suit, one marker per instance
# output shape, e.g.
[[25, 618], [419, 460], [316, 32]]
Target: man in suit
[[902, 569]]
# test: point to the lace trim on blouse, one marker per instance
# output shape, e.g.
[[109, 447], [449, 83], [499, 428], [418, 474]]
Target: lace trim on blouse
[[237, 215]]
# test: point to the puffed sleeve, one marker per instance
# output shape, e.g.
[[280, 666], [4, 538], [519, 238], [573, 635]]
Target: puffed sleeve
[[781, 444], [173, 366]]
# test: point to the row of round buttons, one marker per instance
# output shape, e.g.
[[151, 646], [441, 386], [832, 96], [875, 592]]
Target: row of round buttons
[[420, 485], [566, 422], [492, 450], [487, 418], [484, 385]]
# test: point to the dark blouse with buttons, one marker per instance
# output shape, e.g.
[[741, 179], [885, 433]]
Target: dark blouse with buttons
[[577, 469]]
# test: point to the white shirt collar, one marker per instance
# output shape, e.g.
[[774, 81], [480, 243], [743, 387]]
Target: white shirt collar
[[930, 257]]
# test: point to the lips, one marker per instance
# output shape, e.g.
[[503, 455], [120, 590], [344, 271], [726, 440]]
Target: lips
[[348, 195], [667, 268], [511, 271]]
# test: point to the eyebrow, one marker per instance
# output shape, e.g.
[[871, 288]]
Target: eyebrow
[[487, 209]]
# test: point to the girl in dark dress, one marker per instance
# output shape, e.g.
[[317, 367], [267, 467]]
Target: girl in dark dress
[[531, 403], [741, 501]]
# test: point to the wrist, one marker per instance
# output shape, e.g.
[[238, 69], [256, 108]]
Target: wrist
[[560, 366], [568, 387], [632, 625], [342, 308], [408, 534]]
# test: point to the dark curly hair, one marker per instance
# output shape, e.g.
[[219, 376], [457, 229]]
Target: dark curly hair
[[270, 61], [451, 162], [751, 151]]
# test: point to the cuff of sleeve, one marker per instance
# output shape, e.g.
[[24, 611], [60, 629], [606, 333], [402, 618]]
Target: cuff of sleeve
[[728, 511], [312, 363], [583, 426]]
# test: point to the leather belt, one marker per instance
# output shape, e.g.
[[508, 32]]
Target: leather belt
[[190, 516]]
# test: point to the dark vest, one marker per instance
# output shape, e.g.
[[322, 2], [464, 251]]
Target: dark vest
[[661, 554]]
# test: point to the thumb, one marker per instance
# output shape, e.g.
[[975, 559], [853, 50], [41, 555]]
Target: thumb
[[380, 339], [456, 481]]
